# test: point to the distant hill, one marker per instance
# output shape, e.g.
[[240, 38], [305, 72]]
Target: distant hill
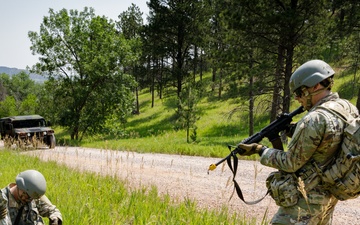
[[13, 71]]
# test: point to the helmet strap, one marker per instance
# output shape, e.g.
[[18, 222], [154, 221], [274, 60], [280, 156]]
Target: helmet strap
[[309, 95]]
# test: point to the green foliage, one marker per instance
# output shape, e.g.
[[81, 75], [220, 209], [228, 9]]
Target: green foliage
[[8, 107], [20, 86], [107, 200], [20, 95], [84, 56], [28, 105], [175, 30], [187, 111], [114, 126]]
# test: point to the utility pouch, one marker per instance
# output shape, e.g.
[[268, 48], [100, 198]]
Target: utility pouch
[[283, 188]]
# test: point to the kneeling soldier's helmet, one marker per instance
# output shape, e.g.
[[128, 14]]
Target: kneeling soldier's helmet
[[33, 182], [310, 73]]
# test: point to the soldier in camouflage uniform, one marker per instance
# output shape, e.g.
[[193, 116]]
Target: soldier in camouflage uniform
[[315, 141], [26, 202]]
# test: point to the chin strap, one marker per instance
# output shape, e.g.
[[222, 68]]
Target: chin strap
[[309, 95]]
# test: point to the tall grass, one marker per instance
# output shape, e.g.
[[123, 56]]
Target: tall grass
[[90, 198]]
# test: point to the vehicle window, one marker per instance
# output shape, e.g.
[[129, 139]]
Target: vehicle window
[[28, 123]]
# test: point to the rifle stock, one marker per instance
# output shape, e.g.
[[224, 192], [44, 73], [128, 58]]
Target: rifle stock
[[271, 132]]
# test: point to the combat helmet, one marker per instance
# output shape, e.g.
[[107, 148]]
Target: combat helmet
[[33, 182], [310, 73]]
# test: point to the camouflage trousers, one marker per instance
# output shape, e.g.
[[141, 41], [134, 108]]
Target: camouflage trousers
[[317, 210]]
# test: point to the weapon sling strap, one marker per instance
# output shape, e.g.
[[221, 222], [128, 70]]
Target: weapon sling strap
[[236, 185], [17, 220]]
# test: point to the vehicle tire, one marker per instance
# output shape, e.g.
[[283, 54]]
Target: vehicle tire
[[51, 141]]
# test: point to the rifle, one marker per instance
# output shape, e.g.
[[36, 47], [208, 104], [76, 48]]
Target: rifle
[[271, 132]]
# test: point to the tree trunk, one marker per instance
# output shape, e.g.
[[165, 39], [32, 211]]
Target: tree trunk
[[220, 82], [288, 72], [213, 78], [276, 99], [75, 133], [195, 62], [137, 106], [201, 65], [153, 85], [251, 106], [160, 81]]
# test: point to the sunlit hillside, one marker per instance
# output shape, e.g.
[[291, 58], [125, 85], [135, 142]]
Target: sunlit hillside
[[222, 122]]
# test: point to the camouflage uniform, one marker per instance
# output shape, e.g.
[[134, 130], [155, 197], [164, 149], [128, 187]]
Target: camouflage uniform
[[33, 211], [3, 204], [317, 137]]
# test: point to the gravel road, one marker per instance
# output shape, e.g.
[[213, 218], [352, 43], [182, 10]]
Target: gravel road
[[186, 177]]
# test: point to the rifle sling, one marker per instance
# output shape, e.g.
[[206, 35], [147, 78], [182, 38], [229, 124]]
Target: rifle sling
[[236, 185], [18, 216]]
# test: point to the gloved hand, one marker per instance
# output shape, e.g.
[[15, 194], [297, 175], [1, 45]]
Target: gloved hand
[[251, 149], [55, 221], [3, 211], [289, 131]]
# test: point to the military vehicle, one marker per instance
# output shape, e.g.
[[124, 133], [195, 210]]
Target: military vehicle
[[29, 130]]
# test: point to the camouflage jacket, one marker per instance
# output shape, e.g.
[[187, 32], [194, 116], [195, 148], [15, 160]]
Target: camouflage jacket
[[317, 137], [33, 211]]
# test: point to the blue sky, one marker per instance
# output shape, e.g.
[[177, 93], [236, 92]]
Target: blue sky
[[18, 17]]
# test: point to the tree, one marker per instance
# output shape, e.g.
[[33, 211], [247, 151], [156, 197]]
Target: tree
[[130, 25], [83, 55], [19, 93], [240, 66], [277, 28], [176, 27], [187, 111], [20, 86], [28, 105], [8, 107], [346, 26]]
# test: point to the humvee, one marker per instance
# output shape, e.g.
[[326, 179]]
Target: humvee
[[26, 130]]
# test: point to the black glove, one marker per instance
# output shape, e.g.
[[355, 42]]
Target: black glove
[[290, 129], [55, 221], [251, 149]]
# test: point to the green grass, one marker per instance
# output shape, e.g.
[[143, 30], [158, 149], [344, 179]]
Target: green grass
[[89, 198]]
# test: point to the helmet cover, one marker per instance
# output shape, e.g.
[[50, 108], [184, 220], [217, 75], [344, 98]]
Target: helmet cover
[[33, 182], [310, 73]]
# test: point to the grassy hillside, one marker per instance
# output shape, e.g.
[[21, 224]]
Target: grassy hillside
[[153, 129]]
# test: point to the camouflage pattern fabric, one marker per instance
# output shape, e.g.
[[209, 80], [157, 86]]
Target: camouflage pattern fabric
[[306, 213], [3, 204], [33, 212], [317, 137]]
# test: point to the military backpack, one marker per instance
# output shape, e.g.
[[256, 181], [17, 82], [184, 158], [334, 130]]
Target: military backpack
[[342, 177]]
